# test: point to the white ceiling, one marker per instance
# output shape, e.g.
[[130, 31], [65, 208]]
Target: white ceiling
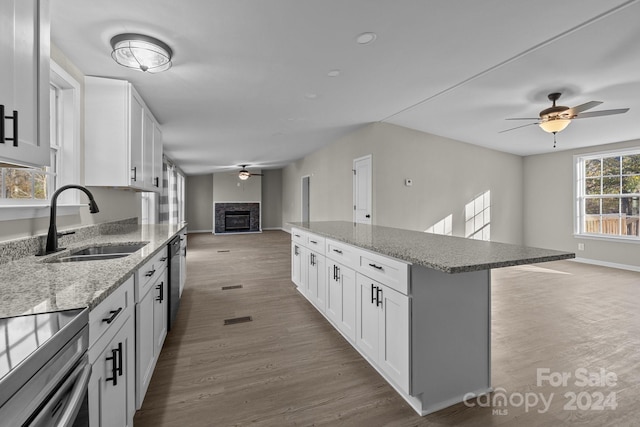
[[249, 80]]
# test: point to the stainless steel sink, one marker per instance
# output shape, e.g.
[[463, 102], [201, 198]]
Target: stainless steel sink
[[102, 252]]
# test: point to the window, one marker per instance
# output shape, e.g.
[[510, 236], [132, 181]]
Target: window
[[608, 194], [21, 187], [477, 216]]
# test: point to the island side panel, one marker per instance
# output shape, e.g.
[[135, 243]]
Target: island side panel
[[451, 336]]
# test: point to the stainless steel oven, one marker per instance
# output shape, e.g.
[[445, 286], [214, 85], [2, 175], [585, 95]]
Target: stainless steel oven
[[44, 369]]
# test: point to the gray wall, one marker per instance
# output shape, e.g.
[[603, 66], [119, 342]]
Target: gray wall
[[272, 199], [446, 175], [549, 208], [199, 202], [114, 204]]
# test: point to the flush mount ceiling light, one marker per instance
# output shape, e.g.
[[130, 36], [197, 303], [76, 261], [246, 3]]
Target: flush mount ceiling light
[[140, 52], [366, 38]]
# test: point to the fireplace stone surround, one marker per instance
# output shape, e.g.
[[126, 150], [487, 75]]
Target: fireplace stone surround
[[223, 210]]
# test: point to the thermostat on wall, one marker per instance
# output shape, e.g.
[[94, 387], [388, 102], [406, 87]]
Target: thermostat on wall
[[408, 182]]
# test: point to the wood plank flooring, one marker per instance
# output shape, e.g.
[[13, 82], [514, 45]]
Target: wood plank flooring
[[289, 367]]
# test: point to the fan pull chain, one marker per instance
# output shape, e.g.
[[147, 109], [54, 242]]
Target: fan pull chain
[[554, 139]]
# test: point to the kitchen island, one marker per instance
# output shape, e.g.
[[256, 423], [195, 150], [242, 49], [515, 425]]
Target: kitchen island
[[417, 306]]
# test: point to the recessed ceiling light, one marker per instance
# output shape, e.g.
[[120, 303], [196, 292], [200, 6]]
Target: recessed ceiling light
[[311, 95], [366, 38], [333, 73]]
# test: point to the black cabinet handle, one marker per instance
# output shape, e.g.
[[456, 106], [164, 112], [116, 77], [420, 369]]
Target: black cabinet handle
[[114, 314], [313, 241], [379, 297], [375, 266], [338, 251], [373, 295], [297, 235], [160, 287], [163, 259], [334, 272], [337, 274], [150, 273], [295, 250], [135, 174], [3, 137], [116, 364], [156, 182]]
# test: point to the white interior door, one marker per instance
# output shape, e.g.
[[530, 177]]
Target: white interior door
[[362, 190]]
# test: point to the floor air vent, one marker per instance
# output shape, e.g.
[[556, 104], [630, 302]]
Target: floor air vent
[[226, 288], [237, 320], [225, 250]]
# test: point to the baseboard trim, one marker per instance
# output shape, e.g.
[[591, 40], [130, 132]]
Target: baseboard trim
[[607, 264], [275, 228], [189, 231]]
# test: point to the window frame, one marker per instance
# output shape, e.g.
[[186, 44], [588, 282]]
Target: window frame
[[580, 196], [68, 154]]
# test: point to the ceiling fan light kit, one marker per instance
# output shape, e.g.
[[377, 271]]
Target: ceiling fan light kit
[[554, 125], [244, 174]]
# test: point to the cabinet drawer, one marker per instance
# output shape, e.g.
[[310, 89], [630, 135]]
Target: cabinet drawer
[[110, 314], [299, 236], [315, 243], [391, 272], [343, 253], [147, 274]]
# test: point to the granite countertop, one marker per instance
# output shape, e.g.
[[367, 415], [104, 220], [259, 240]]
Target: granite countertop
[[33, 285], [445, 253]]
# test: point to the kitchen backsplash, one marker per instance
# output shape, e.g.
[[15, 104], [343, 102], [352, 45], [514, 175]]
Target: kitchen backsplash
[[19, 248]]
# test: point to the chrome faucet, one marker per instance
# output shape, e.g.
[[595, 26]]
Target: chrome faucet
[[52, 236]]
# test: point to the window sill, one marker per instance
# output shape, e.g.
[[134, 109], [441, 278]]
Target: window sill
[[13, 212], [612, 238]]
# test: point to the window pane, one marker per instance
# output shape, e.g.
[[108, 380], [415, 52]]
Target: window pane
[[611, 225], [610, 205], [19, 184], [631, 164], [40, 184], [630, 205], [611, 185], [593, 185], [592, 167], [631, 184], [611, 166], [592, 206], [630, 227], [592, 224]]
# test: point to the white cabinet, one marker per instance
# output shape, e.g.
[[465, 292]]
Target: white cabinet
[[382, 322], [316, 279], [111, 354], [151, 319], [156, 164], [341, 298], [119, 137], [24, 86], [296, 264]]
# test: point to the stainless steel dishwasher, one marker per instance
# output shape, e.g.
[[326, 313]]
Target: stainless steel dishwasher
[[174, 280]]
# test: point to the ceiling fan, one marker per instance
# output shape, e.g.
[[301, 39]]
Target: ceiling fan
[[557, 117], [244, 174]]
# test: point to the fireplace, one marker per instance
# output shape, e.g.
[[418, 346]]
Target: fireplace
[[236, 217], [237, 221]]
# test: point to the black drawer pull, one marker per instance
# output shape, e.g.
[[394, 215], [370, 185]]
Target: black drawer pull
[[313, 241], [160, 287], [338, 251], [114, 314], [375, 266], [116, 364], [297, 235], [150, 273], [163, 259], [373, 296], [379, 297], [135, 174]]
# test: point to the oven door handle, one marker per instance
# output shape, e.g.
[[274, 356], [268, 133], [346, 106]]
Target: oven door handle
[[80, 376]]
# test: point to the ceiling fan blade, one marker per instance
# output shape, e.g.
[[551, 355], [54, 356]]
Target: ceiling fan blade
[[582, 107], [523, 118], [518, 127], [602, 113]]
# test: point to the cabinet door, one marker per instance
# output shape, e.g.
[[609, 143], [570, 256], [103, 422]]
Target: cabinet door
[[160, 313], [157, 158], [347, 323], [303, 286], [393, 357], [334, 294], [316, 280], [24, 29], [136, 135], [111, 383], [145, 344], [367, 317], [147, 151], [296, 263]]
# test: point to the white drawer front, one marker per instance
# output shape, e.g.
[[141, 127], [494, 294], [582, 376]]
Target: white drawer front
[[388, 271], [343, 253], [147, 274], [109, 315], [315, 243], [299, 236]]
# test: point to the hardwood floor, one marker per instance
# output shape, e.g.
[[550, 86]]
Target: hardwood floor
[[289, 367]]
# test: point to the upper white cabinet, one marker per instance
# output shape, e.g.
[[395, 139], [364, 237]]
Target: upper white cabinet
[[123, 141], [24, 86]]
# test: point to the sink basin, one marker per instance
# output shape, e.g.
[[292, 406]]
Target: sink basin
[[102, 252]]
